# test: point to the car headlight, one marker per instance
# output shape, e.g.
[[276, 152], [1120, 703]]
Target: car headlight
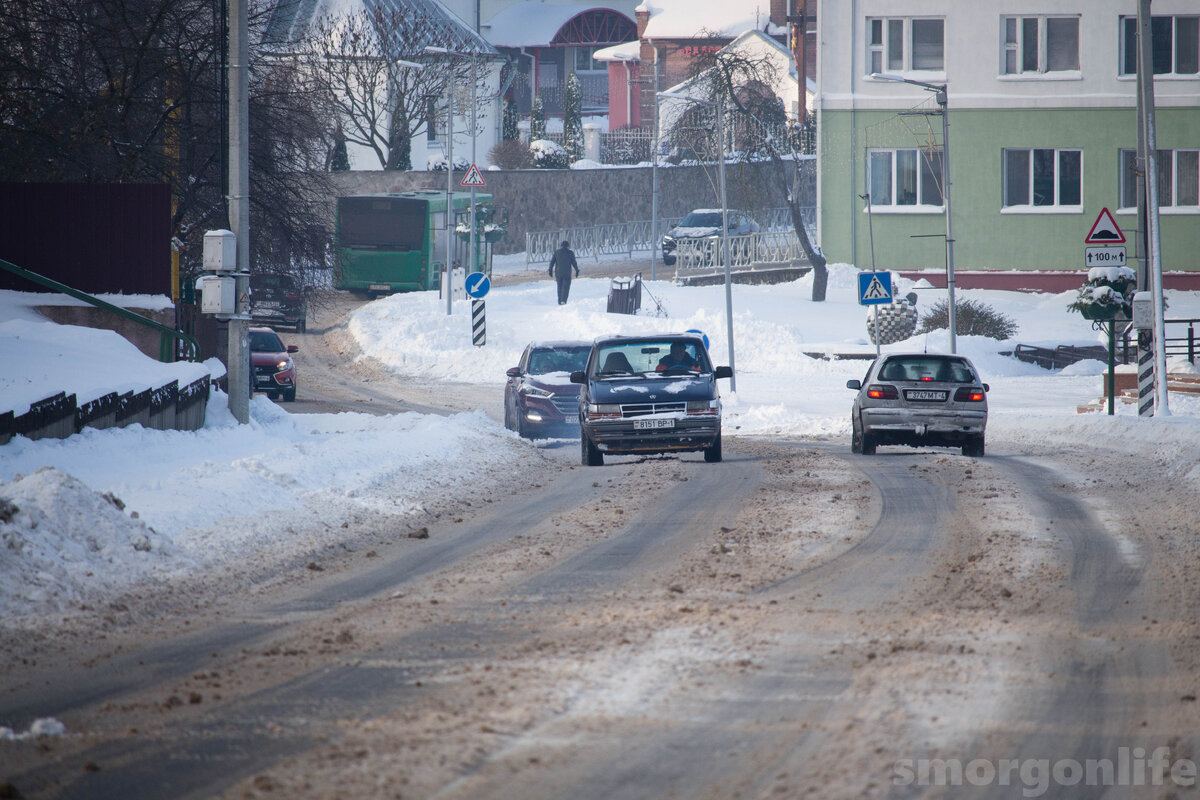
[[284, 366], [534, 391], [603, 410]]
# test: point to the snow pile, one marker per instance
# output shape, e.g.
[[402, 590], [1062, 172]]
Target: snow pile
[[61, 539]]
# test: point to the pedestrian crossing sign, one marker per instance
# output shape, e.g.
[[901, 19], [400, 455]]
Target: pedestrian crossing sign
[[473, 177], [874, 288]]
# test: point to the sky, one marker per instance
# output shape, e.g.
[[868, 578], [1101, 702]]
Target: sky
[[191, 502]]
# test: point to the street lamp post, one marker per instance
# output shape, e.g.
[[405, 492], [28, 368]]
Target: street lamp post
[[720, 109], [450, 170], [940, 97]]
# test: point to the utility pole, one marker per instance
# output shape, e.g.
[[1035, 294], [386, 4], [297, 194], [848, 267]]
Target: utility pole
[[238, 368], [1146, 80]]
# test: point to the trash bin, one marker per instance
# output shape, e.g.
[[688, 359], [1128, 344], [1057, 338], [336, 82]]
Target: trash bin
[[625, 295]]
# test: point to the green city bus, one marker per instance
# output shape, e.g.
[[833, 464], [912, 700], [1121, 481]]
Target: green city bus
[[396, 241]]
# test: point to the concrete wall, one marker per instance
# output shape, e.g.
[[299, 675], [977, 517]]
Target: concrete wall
[[540, 200]]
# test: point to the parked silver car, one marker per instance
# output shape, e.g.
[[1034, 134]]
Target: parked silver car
[[919, 399], [704, 224]]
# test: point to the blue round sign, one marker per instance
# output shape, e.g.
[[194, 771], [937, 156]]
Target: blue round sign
[[477, 284], [701, 334]]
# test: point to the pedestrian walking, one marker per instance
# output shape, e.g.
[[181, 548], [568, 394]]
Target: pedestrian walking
[[563, 261]]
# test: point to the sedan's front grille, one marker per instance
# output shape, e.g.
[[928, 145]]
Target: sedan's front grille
[[646, 409]]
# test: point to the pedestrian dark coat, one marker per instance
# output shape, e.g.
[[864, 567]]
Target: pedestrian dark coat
[[561, 264]]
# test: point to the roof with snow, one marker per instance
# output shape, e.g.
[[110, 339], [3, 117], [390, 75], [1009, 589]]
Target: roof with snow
[[290, 21], [531, 24], [690, 19], [627, 51]]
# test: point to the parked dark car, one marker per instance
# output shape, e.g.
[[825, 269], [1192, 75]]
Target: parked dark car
[[649, 394], [539, 399], [274, 372], [277, 300], [919, 399], [705, 223]]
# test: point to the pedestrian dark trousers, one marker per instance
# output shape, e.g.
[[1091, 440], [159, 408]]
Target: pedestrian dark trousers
[[564, 284]]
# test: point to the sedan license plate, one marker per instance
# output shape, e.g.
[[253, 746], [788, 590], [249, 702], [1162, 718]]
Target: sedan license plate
[[652, 424], [925, 395]]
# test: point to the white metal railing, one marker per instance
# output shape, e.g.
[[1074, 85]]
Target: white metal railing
[[751, 249], [628, 238]]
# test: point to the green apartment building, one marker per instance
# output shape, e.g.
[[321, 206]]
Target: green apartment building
[[1043, 130]]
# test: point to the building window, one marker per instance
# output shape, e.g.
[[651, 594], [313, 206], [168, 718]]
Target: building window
[[1178, 179], [585, 60], [1174, 42], [1040, 44], [905, 177], [1043, 178], [905, 45], [431, 119]]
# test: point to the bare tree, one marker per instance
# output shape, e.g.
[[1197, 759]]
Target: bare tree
[[748, 85], [381, 102], [100, 91]]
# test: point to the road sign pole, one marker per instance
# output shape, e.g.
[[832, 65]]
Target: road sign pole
[[875, 310]]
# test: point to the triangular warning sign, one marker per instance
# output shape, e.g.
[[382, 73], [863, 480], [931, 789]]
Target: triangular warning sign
[[475, 178], [876, 291], [1105, 230]]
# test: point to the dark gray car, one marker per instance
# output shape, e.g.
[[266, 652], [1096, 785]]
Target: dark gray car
[[919, 399], [649, 394]]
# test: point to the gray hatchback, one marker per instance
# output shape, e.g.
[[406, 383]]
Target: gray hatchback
[[919, 399]]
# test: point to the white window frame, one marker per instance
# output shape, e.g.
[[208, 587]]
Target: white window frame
[[1019, 48], [1057, 207], [881, 55], [924, 166], [1175, 166], [1127, 38], [595, 67]]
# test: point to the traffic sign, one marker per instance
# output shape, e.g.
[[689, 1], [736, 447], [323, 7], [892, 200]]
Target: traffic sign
[[1104, 256], [1105, 230], [477, 285], [874, 288], [475, 178]]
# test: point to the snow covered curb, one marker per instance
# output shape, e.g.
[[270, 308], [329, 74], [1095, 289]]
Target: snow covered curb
[[120, 509]]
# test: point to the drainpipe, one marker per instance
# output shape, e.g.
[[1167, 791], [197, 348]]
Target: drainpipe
[[628, 94], [532, 84], [853, 140]]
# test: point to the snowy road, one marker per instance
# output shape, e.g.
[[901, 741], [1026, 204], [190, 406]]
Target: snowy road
[[794, 619]]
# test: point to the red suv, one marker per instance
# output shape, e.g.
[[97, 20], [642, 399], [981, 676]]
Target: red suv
[[273, 371]]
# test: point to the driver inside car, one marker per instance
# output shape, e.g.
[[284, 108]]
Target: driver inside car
[[678, 358]]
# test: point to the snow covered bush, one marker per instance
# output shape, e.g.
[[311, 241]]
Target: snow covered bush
[[548, 154], [437, 163], [1107, 293]]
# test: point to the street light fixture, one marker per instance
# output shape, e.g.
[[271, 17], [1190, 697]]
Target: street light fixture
[[724, 216], [939, 91]]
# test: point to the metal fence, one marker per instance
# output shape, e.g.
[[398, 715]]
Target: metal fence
[[626, 146], [777, 241], [765, 247]]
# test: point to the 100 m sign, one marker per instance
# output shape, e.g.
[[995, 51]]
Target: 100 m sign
[[1104, 256]]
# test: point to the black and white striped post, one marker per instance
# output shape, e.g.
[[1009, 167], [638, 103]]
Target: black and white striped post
[[1143, 324], [478, 324], [477, 285]]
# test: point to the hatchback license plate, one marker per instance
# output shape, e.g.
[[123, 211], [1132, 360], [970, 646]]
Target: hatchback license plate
[[925, 394], [651, 424]]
